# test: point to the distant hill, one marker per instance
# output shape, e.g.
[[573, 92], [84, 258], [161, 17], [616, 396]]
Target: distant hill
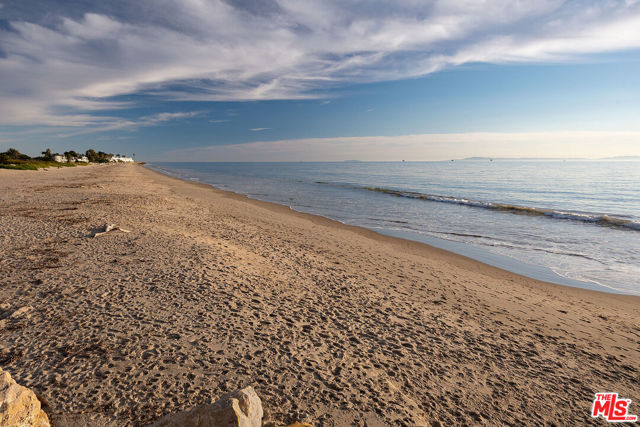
[[621, 158], [487, 159]]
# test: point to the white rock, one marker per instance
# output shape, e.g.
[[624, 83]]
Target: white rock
[[109, 228], [19, 406], [241, 408]]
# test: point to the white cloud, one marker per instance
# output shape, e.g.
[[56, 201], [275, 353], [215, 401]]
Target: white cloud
[[444, 146], [165, 117], [115, 123], [212, 50], [258, 129]]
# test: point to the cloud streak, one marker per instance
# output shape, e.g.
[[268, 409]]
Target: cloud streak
[[57, 71], [114, 123]]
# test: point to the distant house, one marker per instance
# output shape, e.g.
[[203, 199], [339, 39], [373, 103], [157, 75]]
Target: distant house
[[63, 159], [121, 159]]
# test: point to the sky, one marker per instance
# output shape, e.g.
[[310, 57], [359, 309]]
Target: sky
[[311, 80]]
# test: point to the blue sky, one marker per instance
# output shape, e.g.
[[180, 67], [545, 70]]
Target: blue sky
[[321, 80]]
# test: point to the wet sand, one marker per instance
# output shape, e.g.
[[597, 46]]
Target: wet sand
[[332, 324]]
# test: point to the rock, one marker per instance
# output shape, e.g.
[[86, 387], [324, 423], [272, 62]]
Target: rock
[[19, 406], [21, 312], [241, 408], [109, 228], [16, 319]]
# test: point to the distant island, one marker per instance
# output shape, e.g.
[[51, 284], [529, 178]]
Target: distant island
[[546, 158], [621, 158]]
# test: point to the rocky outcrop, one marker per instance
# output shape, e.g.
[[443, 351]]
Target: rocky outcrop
[[241, 408], [19, 406]]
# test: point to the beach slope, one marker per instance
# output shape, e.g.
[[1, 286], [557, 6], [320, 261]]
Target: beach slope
[[332, 324]]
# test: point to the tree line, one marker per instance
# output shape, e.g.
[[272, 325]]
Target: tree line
[[91, 154], [14, 156]]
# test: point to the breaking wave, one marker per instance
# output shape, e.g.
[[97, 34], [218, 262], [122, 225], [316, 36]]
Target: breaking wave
[[597, 219]]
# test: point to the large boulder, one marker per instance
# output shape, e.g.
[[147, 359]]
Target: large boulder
[[241, 408], [19, 406]]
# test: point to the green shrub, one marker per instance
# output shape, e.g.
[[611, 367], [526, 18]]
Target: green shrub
[[34, 165], [20, 166]]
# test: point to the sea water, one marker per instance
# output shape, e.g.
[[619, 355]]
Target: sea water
[[581, 219]]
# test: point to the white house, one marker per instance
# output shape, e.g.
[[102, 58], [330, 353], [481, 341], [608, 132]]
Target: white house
[[121, 159], [63, 159]]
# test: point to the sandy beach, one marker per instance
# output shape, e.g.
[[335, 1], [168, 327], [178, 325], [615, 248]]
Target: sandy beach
[[332, 324]]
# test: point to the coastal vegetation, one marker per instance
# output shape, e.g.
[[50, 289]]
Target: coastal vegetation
[[13, 159]]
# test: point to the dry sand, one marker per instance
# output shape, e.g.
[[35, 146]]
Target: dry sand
[[332, 324]]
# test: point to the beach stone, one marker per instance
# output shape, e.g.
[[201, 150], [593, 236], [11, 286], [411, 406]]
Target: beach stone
[[241, 408], [21, 312], [19, 406]]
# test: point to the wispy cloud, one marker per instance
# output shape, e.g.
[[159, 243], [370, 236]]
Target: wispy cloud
[[55, 72], [165, 117], [434, 146], [258, 129], [114, 123]]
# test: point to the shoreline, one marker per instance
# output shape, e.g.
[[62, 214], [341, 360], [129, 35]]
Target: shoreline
[[332, 324], [476, 253]]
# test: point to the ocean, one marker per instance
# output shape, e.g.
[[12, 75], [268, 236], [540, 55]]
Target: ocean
[[577, 220]]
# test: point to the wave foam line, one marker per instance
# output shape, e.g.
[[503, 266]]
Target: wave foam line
[[598, 219]]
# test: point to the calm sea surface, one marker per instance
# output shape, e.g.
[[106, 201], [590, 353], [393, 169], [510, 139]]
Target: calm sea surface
[[581, 219]]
